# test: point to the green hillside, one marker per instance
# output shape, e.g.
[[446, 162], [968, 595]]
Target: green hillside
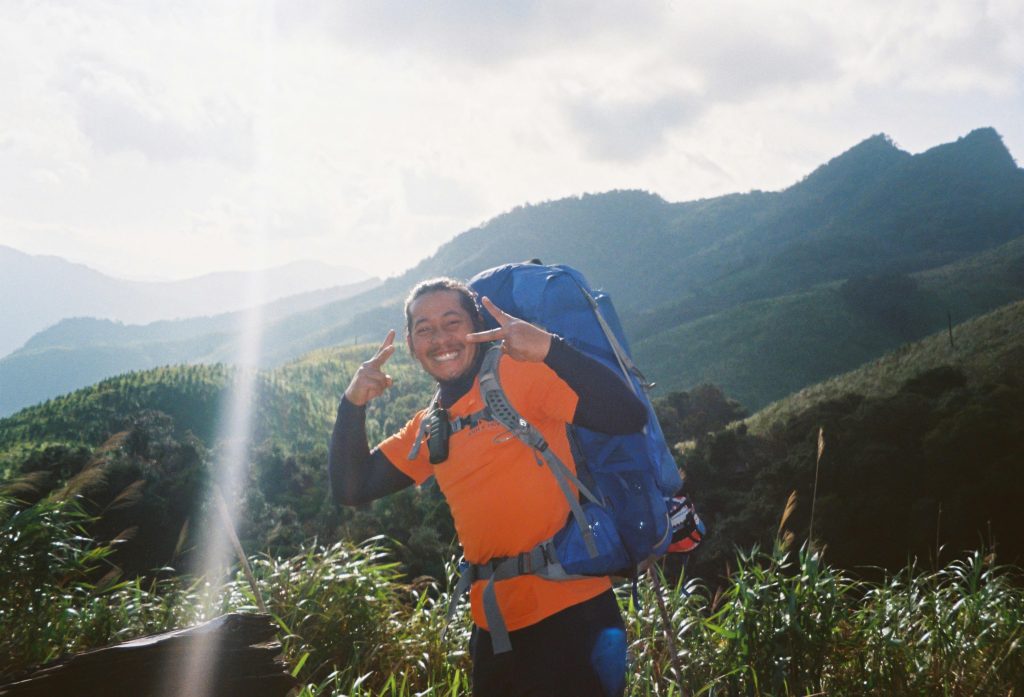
[[922, 456], [987, 348], [905, 436], [928, 436], [139, 446], [762, 351], [294, 403], [873, 211]]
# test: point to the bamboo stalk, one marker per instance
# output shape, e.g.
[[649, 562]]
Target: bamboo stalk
[[669, 629]]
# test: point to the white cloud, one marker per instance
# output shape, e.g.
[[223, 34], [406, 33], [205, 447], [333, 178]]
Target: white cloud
[[123, 111], [631, 130], [368, 133], [429, 194], [476, 32]]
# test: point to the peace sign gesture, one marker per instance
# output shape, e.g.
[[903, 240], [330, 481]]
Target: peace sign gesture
[[522, 341], [369, 382]]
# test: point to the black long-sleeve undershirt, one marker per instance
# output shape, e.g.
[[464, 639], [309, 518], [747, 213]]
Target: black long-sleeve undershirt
[[605, 403]]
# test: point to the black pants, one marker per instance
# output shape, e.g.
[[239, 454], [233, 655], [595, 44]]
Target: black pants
[[578, 652]]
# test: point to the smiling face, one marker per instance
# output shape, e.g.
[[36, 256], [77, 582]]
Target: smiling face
[[438, 324]]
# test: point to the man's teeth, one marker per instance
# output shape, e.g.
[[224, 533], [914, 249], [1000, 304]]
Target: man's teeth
[[445, 356]]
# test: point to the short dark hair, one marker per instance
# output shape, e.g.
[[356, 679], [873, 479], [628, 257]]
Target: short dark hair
[[467, 298]]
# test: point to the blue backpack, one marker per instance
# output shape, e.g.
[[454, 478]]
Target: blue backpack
[[620, 520]]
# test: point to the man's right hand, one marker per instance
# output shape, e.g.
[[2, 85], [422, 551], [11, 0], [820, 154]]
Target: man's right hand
[[370, 380]]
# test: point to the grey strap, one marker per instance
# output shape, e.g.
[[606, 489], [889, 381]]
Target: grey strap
[[423, 428], [469, 421], [419, 439], [540, 561], [466, 579], [626, 363], [546, 565], [507, 568], [501, 642], [562, 476]]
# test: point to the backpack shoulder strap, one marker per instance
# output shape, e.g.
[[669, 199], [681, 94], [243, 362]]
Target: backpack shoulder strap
[[504, 413], [415, 450]]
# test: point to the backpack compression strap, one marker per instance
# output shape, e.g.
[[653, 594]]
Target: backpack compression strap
[[626, 363]]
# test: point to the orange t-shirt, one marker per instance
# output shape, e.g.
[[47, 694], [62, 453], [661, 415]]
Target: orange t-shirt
[[503, 499]]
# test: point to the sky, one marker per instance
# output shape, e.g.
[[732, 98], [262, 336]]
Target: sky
[[162, 139]]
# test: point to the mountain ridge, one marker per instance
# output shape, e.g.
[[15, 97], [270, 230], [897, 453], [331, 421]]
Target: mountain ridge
[[51, 288], [871, 210]]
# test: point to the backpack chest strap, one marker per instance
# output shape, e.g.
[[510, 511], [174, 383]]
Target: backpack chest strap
[[470, 420], [454, 426]]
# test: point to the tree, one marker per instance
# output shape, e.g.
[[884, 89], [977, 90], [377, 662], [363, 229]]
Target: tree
[[690, 415]]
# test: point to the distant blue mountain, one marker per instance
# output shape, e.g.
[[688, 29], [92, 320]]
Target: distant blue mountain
[[39, 291]]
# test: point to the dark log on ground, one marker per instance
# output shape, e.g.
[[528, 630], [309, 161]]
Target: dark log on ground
[[239, 650]]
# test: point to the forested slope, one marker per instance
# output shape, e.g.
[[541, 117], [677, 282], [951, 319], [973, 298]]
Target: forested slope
[[922, 455], [931, 426], [763, 350]]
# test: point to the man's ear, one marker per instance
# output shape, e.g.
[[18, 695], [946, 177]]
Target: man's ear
[[408, 342]]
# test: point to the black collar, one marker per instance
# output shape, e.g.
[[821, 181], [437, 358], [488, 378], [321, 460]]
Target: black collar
[[453, 390]]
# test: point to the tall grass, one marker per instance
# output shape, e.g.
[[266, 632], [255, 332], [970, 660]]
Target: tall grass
[[783, 623], [347, 621], [956, 631], [59, 593], [789, 624], [348, 618]]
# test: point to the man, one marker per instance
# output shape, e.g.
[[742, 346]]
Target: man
[[567, 636]]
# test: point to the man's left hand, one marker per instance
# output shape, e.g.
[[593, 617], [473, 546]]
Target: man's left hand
[[522, 341]]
